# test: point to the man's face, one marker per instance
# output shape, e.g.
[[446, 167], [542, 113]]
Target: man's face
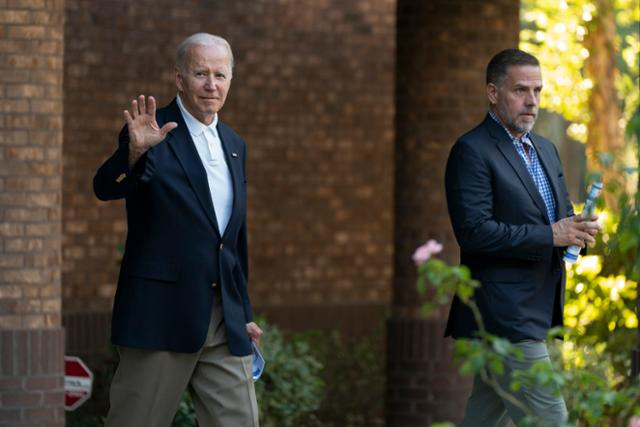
[[517, 99], [204, 81]]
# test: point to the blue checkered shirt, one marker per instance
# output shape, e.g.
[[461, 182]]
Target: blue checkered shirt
[[532, 162]]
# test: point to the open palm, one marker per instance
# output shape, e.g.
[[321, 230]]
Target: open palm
[[144, 131]]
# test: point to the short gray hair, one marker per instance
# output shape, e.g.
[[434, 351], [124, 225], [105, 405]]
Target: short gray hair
[[201, 39]]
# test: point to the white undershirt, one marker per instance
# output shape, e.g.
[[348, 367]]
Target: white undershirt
[[209, 148]]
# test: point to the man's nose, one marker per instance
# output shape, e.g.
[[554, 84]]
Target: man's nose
[[210, 83], [531, 99]]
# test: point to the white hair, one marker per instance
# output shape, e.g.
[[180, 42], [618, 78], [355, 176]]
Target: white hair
[[201, 39]]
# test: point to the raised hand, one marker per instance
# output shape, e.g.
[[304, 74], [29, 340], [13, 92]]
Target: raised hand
[[144, 131], [575, 230]]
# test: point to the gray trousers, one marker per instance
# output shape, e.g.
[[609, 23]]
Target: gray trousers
[[485, 408], [148, 385]]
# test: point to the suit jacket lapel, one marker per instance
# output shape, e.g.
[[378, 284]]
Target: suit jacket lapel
[[182, 145], [546, 159], [507, 149], [234, 163]]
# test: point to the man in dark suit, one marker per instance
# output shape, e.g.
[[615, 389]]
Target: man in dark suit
[[512, 218], [181, 316]]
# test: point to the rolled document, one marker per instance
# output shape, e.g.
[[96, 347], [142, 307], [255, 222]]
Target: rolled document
[[572, 253]]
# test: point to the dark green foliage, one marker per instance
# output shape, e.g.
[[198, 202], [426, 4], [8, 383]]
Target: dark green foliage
[[290, 388], [354, 377], [80, 419]]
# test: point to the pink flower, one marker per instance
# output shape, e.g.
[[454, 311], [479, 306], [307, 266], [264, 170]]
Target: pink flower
[[634, 421], [424, 252]]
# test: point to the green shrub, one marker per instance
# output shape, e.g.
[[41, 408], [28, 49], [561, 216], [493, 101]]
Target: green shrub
[[185, 415], [290, 389], [80, 419], [354, 372]]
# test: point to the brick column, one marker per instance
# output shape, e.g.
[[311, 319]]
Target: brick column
[[443, 47], [31, 337]]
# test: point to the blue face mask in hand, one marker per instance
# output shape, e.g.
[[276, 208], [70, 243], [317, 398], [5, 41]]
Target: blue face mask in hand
[[258, 361]]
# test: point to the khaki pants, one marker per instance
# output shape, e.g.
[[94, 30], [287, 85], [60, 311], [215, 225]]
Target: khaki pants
[[486, 409], [148, 385]]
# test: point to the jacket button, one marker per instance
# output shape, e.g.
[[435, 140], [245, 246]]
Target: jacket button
[[221, 247], [214, 284]]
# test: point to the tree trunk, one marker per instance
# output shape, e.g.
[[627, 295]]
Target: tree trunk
[[604, 133]]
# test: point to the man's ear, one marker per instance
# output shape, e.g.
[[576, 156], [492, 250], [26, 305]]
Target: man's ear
[[492, 93]]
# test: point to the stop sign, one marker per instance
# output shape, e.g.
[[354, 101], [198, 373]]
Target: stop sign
[[77, 382]]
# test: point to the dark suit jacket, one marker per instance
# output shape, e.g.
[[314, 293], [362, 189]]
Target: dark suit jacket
[[505, 238], [174, 254]]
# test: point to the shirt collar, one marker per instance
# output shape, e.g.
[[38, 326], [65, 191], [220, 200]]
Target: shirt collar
[[195, 126], [524, 138]]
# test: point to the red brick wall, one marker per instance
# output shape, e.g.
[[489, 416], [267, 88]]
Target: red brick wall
[[313, 96], [31, 341], [443, 47], [31, 377]]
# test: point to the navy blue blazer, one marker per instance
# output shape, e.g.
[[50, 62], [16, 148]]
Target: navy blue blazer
[[174, 254], [500, 222]]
